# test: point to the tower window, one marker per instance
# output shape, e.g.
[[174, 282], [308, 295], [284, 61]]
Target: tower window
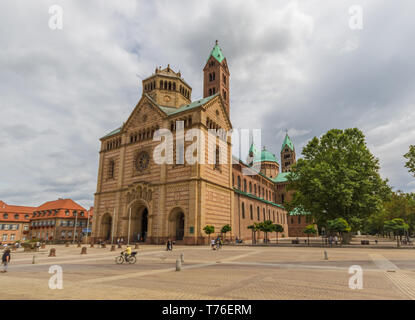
[[243, 210], [251, 213], [224, 79], [111, 169]]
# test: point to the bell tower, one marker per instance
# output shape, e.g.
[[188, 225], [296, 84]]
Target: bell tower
[[216, 76], [287, 154]]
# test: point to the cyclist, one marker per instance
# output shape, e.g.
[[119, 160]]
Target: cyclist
[[127, 253]]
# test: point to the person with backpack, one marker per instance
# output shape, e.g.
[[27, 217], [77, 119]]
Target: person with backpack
[[5, 259]]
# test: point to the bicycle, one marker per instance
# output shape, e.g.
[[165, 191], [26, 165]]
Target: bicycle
[[131, 259]]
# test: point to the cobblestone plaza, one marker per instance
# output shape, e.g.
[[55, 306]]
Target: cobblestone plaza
[[271, 273]]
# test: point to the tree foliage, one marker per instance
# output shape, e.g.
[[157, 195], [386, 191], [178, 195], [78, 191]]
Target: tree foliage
[[209, 230], [225, 229], [338, 225], [399, 205], [266, 227], [338, 177], [410, 156], [397, 226], [278, 228]]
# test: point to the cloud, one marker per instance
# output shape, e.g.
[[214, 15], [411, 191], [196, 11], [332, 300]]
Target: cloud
[[294, 65]]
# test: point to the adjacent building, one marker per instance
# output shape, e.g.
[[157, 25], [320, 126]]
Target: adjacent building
[[60, 221], [14, 222]]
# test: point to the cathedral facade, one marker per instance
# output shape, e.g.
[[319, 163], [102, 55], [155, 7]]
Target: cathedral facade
[[143, 199]]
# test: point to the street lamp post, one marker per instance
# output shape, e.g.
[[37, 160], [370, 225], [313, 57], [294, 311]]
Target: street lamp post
[[74, 228], [129, 223], [112, 225], [87, 228]]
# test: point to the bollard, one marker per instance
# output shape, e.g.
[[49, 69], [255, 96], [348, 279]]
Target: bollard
[[137, 246], [103, 245], [182, 258], [43, 246], [79, 244], [34, 260], [119, 246], [67, 244], [326, 257], [83, 251], [113, 248], [178, 265], [52, 252], [92, 245]]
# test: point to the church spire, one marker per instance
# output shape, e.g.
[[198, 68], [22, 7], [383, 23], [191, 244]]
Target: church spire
[[216, 76], [287, 154]]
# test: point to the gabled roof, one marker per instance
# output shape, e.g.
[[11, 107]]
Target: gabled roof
[[217, 53], [287, 142], [172, 110], [114, 132], [60, 204]]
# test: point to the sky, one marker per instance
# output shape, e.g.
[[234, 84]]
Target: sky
[[295, 65]]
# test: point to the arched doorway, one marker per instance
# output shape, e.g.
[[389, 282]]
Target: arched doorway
[[180, 226], [139, 223], [106, 226], [176, 224]]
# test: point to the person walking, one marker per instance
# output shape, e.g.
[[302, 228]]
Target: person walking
[[212, 244], [169, 245], [5, 259], [336, 240]]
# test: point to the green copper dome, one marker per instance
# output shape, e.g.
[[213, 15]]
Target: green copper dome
[[265, 156], [217, 53]]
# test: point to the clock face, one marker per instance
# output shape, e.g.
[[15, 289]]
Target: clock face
[[143, 160], [166, 98]]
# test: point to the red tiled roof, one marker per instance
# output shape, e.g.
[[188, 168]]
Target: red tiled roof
[[68, 204], [12, 210]]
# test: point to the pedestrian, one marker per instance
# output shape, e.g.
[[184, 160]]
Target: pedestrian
[[122, 240], [118, 240], [331, 241], [169, 245], [336, 240], [5, 259], [212, 244]]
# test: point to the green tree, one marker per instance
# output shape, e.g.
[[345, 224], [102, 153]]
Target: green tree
[[225, 229], [209, 230], [266, 226], [254, 228], [356, 224], [337, 177], [410, 164], [338, 225], [278, 228], [309, 230], [398, 227]]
